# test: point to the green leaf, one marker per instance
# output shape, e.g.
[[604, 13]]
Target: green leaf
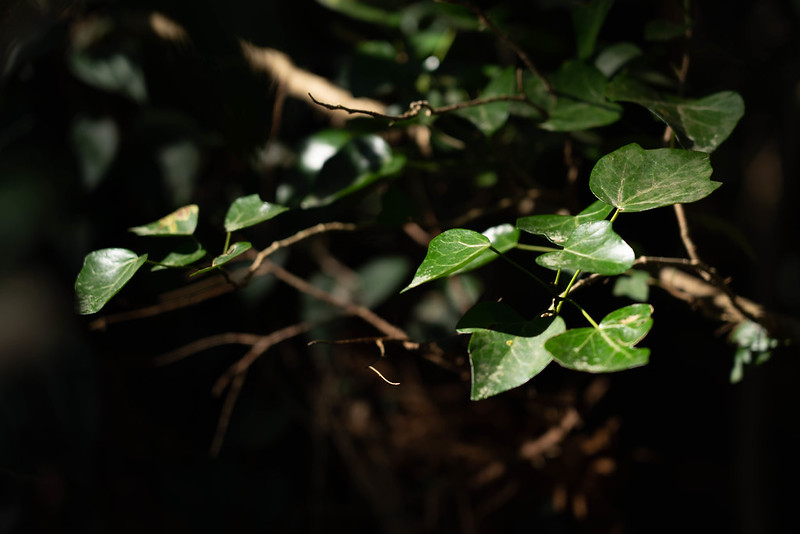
[[588, 18], [501, 361], [634, 179], [701, 124], [358, 163], [593, 247], [95, 142], [447, 253], [488, 118], [754, 343], [580, 101], [363, 12], [186, 253], [182, 221], [558, 228], [233, 251], [103, 274], [503, 238], [636, 286], [616, 56], [610, 346], [117, 73], [249, 211]]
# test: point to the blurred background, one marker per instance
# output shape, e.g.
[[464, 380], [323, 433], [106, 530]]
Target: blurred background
[[115, 113]]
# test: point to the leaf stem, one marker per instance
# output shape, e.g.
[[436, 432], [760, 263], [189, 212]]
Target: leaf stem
[[614, 217], [566, 291], [523, 269], [227, 242]]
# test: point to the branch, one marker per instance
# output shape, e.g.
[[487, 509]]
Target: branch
[[228, 338], [417, 107]]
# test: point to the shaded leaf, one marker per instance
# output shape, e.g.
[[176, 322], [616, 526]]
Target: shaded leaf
[[95, 142], [182, 221], [501, 361], [634, 179], [660, 30], [636, 286], [358, 163], [616, 56], [588, 18], [249, 211], [701, 124], [117, 73], [579, 103], [558, 228], [754, 343], [103, 274], [488, 118], [447, 253], [610, 347], [593, 247]]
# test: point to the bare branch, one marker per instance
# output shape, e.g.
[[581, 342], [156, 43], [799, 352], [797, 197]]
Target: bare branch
[[228, 338]]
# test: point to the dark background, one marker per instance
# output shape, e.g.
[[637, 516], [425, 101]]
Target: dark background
[[95, 438]]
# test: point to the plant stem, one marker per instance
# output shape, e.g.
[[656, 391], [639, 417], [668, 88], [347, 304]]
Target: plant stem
[[227, 242], [614, 217], [523, 269], [566, 291]]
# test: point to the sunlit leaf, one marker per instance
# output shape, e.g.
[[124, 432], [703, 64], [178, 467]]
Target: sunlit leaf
[[558, 228], [608, 348], [447, 253], [701, 124], [182, 221], [249, 211], [634, 179], [103, 274], [501, 360], [593, 247]]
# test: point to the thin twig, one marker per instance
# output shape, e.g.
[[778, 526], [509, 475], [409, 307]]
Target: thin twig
[[299, 236], [348, 307], [418, 106], [259, 347], [371, 368], [228, 338], [486, 21], [225, 415]]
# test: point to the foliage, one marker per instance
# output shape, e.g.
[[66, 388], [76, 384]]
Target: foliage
[[573, 104]]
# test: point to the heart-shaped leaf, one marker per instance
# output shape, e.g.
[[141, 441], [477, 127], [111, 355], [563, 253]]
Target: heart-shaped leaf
[[182, 221], [634, 179], [588, 18], [558, 228], [233, 251], [702, 124], [593, 247], [610, 346], [447, 253], [489, 316], [103, 274], [501, 361], [249, 211]]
